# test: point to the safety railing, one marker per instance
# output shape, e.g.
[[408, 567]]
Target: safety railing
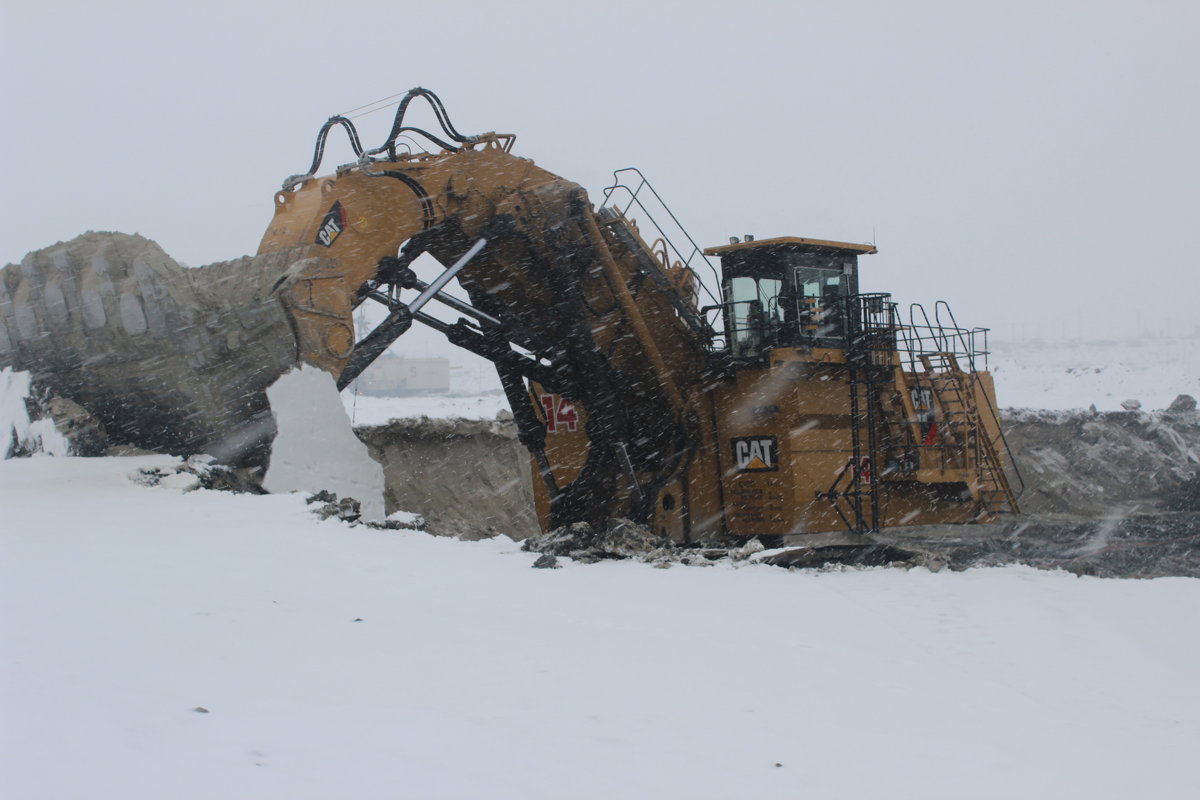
[[651, 208], [942, 334]]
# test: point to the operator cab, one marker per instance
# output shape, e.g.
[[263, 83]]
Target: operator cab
[[786, 292]]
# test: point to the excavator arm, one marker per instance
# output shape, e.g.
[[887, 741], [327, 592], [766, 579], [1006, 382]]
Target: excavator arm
[[570, 307], [564, 304]]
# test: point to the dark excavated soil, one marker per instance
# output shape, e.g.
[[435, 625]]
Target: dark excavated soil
[[1136, 546]]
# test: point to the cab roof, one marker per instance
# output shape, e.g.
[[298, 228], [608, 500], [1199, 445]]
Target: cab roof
[[796, 242]]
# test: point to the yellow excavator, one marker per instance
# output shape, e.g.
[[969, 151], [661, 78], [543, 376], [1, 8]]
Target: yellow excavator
[[768, 398]]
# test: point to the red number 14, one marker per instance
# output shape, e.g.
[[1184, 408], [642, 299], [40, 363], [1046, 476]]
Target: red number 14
[[559, 411]]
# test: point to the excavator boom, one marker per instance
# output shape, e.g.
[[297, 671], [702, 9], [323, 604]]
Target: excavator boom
[[629, 401], [557, 301]]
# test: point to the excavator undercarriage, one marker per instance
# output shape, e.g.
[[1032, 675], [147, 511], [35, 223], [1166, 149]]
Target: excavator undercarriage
[[789, 404]]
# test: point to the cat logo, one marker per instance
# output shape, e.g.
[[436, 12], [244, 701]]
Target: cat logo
[[332, 226], [755, 453]]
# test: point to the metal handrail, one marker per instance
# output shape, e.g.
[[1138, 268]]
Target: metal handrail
[[644, 183], [926, 337], [968, 350]]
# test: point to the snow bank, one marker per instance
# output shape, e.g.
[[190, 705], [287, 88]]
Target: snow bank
[[315, 447]]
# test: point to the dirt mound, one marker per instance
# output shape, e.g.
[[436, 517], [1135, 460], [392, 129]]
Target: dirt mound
[[1135, 546], [1106, 464]]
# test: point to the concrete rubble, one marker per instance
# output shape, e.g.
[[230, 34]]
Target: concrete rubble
[[201, 472]]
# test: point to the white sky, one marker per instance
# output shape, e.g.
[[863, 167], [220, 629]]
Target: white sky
[[1034, 163]]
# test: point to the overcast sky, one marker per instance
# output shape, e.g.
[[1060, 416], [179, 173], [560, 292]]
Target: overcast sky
[[1034, 163]]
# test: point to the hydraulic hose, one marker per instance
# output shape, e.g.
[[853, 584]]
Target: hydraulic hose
[[319, 150], [439, 111]]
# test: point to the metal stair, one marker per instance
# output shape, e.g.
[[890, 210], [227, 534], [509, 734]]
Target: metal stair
[[955, 392]]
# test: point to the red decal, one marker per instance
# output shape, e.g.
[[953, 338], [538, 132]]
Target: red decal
[[566, 415], [931, 434], [865, 474], [548, 404], [559, 411]]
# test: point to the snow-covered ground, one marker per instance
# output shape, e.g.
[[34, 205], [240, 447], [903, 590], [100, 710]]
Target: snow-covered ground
[[365, 410], [1040, 374], [347, 662], [1077, 374], [158, 642]]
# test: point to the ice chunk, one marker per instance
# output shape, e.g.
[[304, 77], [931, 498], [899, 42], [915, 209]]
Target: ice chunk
[[315, 448]]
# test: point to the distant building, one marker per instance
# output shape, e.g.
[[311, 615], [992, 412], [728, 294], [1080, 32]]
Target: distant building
[[392, 376]]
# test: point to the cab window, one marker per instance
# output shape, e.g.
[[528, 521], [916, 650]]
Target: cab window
[[755, 311], [819, 296]]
